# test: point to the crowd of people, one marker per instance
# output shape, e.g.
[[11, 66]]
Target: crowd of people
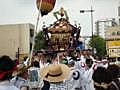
[[68, 70]]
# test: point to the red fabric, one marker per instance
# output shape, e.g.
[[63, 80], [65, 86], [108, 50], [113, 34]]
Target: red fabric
[[3, 73], [17, 62]]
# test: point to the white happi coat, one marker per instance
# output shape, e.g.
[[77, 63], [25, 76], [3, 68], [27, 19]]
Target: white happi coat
[[88, 82], [75, 80], [86, 74]]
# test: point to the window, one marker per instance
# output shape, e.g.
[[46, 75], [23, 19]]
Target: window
[[118, 33], [113, 33], [31, 32], [119, 11]]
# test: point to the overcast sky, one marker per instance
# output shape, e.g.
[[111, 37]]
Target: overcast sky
[[25, 11]]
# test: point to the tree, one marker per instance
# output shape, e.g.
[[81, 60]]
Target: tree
[[99, 44], [40, 41]]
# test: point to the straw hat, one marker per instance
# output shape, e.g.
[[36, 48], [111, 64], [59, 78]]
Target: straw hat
[[55, 72]]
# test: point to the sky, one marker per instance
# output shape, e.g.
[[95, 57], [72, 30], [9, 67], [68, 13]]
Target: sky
[[25, 11]]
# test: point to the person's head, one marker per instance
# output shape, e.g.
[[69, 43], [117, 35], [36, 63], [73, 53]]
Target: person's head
[[35, 64], [89, 51], [98, 58], [7, 66], [78, 50], [84, 52], [49, 61], [71, 63], [64, 61], [102, 78], [41, 53], [89, 62], [115, 70]]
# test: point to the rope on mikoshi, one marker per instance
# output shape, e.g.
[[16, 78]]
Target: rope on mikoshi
[[35, 32]]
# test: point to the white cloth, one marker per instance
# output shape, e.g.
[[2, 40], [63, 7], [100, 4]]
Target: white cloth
[[26, 62], [6, 85], [42, 64], [87, 81], [103, 63], [92, 58]]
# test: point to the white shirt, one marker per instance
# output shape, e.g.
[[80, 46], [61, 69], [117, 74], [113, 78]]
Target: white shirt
[[6, 85]]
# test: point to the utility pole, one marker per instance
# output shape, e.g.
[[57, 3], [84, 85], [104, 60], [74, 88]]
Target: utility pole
[[92, 33]]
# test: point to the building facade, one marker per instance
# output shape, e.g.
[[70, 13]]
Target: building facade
[[112, 36], [16, 39]]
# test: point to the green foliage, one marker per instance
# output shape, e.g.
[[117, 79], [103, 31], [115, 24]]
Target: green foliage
[[40, 41], [98, 43]]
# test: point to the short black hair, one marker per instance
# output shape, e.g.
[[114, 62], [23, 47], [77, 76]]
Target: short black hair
[[49, 61], [6, 64], [89, 62], [101, 75], [35, 64]]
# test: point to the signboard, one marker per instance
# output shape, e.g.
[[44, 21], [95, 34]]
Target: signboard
[[113, 48], [114, 52], [113, 44]]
